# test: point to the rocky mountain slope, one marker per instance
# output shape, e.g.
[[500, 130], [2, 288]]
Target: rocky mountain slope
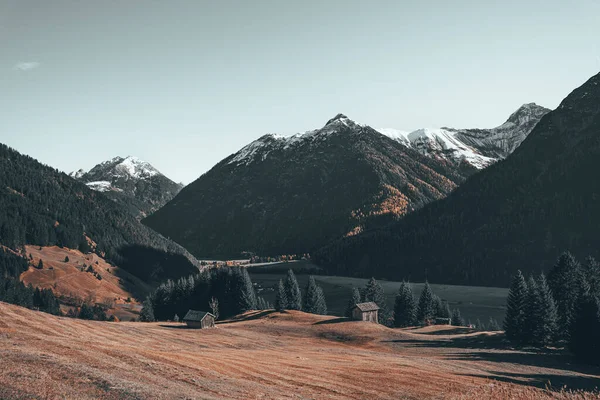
[[132, 182], [282, 195], [519, 213], [42, 206], [476, 147]]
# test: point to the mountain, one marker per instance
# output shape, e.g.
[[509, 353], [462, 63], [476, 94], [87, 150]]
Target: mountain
[[283, 195], [478, 148], [132, 182], [42, 206], [520, 213]]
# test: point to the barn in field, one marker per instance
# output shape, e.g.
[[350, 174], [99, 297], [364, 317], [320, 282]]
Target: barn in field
[[199, 319], [366, 312]]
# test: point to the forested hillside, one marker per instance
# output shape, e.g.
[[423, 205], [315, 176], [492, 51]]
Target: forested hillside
[[520, 213], [42, 206]]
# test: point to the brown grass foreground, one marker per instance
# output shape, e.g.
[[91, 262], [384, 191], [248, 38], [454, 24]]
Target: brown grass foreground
[[268, 355]]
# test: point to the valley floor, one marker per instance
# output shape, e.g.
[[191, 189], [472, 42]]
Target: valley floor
[[268, 355]]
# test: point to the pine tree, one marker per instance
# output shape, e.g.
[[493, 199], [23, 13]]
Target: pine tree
[[311, 296], [292, 292], [354, 300], [67, 259], [147, 314], [493, 325], [427, 308], [247, 294], [176, 318], [457, 319], [514, 322], [280, 297], [546, 328], [405, 307], [40, 265], [213, 304], [373, 291], [479, 325], [321, 304], [563, 279], [531, 312], [584, 337], [86, 312], [591, 270]]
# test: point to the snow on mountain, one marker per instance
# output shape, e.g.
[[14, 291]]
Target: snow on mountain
[[135, 183], [267, 143], [478, 147]]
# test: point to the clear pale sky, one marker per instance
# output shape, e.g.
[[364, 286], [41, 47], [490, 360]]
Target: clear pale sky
[[183, 84]]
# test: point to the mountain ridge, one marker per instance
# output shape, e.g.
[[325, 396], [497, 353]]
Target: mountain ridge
[[132, 182], [533, 205]]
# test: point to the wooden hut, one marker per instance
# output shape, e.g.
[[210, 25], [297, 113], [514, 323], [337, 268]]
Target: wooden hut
[[366, 312], [199, 319]]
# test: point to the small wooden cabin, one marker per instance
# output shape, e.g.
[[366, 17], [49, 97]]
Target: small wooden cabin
[[199, 319], [366, 312]]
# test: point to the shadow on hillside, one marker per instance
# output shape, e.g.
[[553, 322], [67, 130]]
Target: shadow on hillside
[[182, 326], [482, 341], [247, 317], [496, 349], [459, 330], [332, 321], [543, 381]]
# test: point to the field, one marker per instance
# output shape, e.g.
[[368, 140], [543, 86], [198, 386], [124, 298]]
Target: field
[[268, 355], [473, 302]]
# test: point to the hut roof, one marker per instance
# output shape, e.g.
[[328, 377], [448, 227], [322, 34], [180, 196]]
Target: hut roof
[[370, 306], [193, 315]]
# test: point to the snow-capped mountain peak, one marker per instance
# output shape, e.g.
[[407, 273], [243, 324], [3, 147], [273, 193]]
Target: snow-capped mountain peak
[[478, 147], [132, 179], [261, 147]]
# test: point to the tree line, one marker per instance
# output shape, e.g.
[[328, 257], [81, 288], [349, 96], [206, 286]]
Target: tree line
[[407, 311], [560, 310], [227, 292]]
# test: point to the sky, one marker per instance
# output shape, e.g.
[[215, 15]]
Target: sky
[[184, 84]]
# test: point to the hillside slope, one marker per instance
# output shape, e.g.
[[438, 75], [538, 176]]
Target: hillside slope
[[519, 213], [283, 195], [134, 183], [265, 355], [42, 206]]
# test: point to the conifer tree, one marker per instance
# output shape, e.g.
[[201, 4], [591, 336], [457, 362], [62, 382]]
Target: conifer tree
[[373, 291], [479, 325], [457, 319], [354, 300], [321, 304], [40, 265], [427, 308], [86, 312], [311, 296], [147, 314], [292, 292], [514, 321], [493, 325], [280, 297], [213, 304], [546, 328], [584, 340], [531, 312], [247, 294], [563, 279], [405, 307], [176, 318]]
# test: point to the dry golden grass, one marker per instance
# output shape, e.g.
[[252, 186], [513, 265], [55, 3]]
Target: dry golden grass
[[263, 355], [67, 280]]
